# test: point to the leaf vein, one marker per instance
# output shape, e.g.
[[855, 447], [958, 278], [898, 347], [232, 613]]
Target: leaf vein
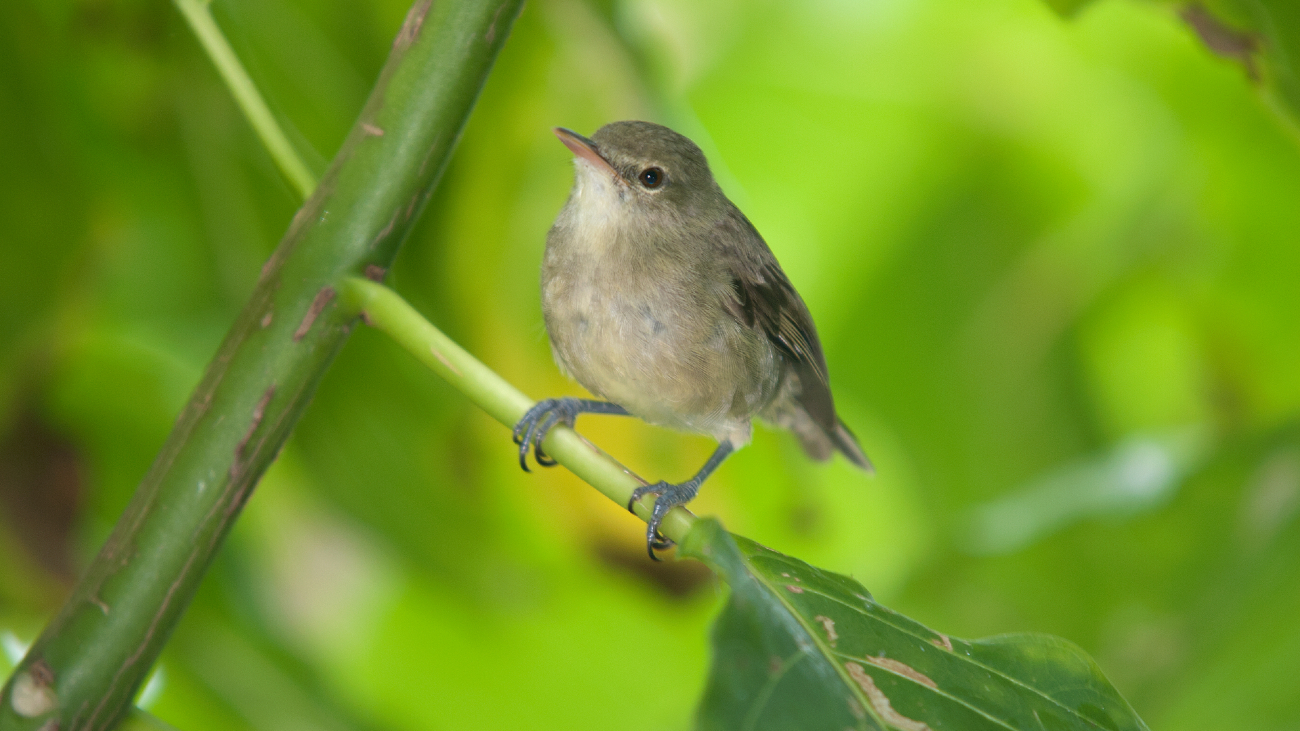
[[825, 650], [964, 658]]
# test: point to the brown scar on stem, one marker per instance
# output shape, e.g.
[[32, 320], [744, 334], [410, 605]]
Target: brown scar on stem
[[365, 318], [383, 232], [880, 702], [266, 319], [305, 213], [42, 673], [491, 34], [298, 216], [32, 693], [773, 665], [259, 411], [411, 26], [103, 607], [273, 261], [828, 624], [903, 669], [942, 641], [318, 304], [428, 154], [443, 359], [371, 129], [795, 589], [375, 273]]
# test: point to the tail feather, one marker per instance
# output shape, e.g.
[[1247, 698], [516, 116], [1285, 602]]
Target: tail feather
[[847, 444], [820, 443]]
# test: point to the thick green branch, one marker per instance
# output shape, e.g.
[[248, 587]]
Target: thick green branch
[[87, 664], [388, 312], [245, 92]]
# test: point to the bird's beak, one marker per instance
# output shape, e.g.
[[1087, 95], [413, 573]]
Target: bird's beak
[[585, 149]]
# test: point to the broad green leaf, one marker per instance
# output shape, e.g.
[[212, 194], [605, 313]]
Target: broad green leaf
[[801, 648]]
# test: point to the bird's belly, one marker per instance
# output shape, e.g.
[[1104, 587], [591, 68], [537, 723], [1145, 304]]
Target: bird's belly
[[633, 346]]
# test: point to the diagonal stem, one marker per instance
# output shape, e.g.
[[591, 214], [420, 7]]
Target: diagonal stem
[[385, 310], [250, 100], [84, 669]]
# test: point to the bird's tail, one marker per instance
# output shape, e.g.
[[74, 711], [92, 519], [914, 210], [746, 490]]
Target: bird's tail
[[847, 444], [818, 441]]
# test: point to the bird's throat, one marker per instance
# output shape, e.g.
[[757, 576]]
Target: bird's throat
[[598, 214]]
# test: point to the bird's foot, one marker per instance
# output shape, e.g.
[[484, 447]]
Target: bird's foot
[[545, 415], [531, 430], [669, 497]]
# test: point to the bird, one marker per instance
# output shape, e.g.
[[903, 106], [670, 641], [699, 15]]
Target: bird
[[662, 299]]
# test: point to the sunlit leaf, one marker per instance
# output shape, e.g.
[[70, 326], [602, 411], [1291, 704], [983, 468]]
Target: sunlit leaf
[[801, 648]]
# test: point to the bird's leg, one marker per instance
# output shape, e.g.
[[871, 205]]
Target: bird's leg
[[545, 414], [670, 496]]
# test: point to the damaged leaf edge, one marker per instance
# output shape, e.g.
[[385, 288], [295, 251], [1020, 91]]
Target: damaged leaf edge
[[734, 567]]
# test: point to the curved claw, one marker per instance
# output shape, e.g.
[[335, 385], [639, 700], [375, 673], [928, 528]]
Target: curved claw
[[641, 492], [523, 431], [529, 418], [523, 455], [670, 496], [552, 418], [657, 543], [528, 425], [532, 429], [653, 539]]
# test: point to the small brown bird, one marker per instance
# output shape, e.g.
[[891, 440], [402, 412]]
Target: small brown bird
[[661, 298]]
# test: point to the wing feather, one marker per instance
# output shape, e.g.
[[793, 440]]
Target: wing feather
[[765, 300]]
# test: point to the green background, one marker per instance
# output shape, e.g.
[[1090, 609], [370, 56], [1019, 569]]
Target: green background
[[1054, 265]]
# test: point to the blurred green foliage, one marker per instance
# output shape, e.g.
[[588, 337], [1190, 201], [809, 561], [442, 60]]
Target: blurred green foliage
[[1262, 36], [1045, 258]]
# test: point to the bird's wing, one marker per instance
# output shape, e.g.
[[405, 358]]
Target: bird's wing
[[761, 297]]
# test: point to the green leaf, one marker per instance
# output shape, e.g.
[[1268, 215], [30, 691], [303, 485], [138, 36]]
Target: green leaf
[[801, 648], [1263, 36]]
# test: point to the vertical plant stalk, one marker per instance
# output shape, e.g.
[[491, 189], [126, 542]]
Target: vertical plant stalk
[[259, 115], [84, 669]]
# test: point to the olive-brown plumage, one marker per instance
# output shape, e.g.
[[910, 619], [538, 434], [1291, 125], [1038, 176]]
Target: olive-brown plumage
[[660, 297]]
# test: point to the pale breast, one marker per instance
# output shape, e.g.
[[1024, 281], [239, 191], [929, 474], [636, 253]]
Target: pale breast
[[655, 339]]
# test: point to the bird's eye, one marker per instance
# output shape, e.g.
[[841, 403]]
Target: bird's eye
[[652, 177]]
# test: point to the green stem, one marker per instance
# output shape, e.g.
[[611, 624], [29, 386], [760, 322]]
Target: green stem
[[84, 669], [134, 720], [386, 311], [249, 99], [138, 720]]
